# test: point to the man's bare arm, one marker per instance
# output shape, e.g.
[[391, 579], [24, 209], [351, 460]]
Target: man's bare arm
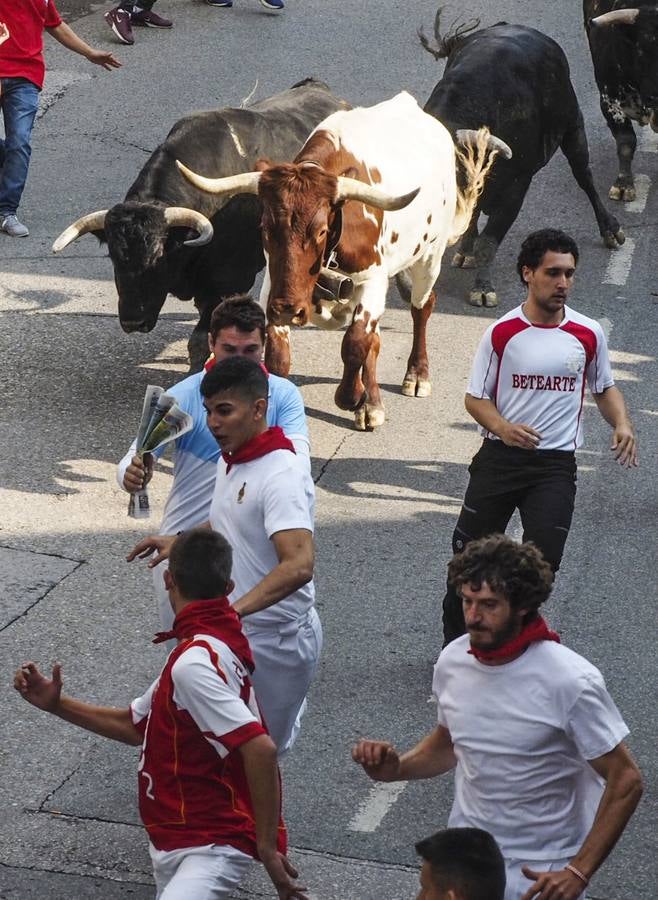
[[69, 39], [296, 555], [431, 756], [46, 694], [612, 407], [623, 789], [514, 434]]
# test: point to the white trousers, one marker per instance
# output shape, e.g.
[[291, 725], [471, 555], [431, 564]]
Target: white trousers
[[286, 660], [198, 873], [517, 884]]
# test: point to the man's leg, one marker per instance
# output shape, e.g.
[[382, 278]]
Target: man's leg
[[20, 101], [489, 503], [286, 662], [199, 873], [546, 508]]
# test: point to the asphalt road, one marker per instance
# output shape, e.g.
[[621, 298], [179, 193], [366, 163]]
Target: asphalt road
[[72, 385]]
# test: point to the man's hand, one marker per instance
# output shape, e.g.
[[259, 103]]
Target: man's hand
[[282, 872], [139, 473], [104, 59], [160, 544], [560, 885], [42, 692], [624, 445], [380, 760], [4, 32], [517, 435]]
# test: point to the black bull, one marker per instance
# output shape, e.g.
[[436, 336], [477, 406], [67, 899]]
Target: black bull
[[516, 81], [150, 255], [623, 39]]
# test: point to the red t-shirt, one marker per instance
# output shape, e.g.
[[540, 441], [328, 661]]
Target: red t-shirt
[[21, 55]]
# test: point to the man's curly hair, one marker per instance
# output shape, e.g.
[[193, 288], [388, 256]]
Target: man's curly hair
[[517, 571]]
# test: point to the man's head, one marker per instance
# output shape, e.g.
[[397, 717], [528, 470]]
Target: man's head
[[235, 399], [461, 864], [199, 567], [546, 266], [237, 328], [502, 585]]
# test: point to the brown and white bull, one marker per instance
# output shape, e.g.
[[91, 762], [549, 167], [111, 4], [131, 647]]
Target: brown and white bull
[[373, 193]]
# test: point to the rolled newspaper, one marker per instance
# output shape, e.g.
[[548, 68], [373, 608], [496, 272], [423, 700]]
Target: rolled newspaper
[[162, 421]]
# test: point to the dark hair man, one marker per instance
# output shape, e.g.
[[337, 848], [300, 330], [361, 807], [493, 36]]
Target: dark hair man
[[526, 392], [461, 864], [263, 503], [209, 791], [22, 72], [237, 328], [527, 725]]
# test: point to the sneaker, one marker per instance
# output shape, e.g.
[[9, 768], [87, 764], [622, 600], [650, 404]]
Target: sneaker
[[227, 4], [11, 226], [272, 4], [119, 21], [150, 19]]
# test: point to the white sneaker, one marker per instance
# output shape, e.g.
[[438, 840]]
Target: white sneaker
[[11, 226]]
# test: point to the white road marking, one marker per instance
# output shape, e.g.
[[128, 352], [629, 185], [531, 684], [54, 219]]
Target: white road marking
[[642, 186], [619, 264], [372, 810], [648, 142]]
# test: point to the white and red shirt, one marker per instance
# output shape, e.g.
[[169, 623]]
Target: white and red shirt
[[536, 374], [21, 56], [192, 785]]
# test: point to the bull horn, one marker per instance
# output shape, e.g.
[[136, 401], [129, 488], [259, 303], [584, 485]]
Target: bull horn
[[351, 189], [470, 136], [92, 222], [245, 183], [617, 17], [190, 218]]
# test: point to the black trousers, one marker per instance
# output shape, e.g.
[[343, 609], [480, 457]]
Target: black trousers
[[541, 484]]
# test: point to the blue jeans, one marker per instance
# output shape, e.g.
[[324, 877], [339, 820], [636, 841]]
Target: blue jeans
[[19, 102]]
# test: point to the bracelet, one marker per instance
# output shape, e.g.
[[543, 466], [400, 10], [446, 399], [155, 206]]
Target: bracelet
[[577, 873]]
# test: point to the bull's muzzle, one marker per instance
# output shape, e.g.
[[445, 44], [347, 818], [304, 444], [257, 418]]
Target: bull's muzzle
[[283, 312]]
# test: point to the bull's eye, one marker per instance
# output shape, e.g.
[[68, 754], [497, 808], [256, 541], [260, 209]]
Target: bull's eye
[[322, 233]]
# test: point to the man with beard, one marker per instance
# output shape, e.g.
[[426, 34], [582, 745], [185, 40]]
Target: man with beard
[[529, 727], [526, 393]]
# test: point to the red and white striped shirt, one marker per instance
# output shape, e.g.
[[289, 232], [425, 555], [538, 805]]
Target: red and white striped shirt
[[536, 374], [192, 785]]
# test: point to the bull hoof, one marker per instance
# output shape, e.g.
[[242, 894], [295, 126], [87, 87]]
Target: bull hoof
[[476, 298], [409, 386], [490, 299], [614, 240], [463, 261], [369, 417], [423, 387], [619, 192]]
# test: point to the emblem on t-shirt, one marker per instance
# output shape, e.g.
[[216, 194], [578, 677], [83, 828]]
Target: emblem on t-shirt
[[241, 493], [575, 362]]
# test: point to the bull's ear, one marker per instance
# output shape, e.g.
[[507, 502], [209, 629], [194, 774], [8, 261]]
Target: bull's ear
[[100, 235], [262, 165]]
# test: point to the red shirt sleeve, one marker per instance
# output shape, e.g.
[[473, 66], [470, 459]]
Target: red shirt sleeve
[[52, 18]]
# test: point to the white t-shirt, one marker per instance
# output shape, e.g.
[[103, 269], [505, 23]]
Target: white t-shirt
[[522, 734], [251, 503], [536, 374]]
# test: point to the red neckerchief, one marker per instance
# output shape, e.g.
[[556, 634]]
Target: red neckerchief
[[216, 618], [211, 362], [266, 442], [535, 630]]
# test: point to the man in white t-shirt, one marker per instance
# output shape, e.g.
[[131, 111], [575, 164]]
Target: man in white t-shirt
[[526, 392], [534, 738], [263, 504], [237, 328], [209, 787]]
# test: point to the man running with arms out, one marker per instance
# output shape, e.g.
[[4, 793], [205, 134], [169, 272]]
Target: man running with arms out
[[237, 328], [263, 504], [209, 792], [529, 727], [526, 392]]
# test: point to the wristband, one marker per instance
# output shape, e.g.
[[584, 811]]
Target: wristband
[[577, 873]]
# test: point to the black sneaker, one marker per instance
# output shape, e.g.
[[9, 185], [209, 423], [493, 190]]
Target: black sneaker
[[150, 19], [119, 21]]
